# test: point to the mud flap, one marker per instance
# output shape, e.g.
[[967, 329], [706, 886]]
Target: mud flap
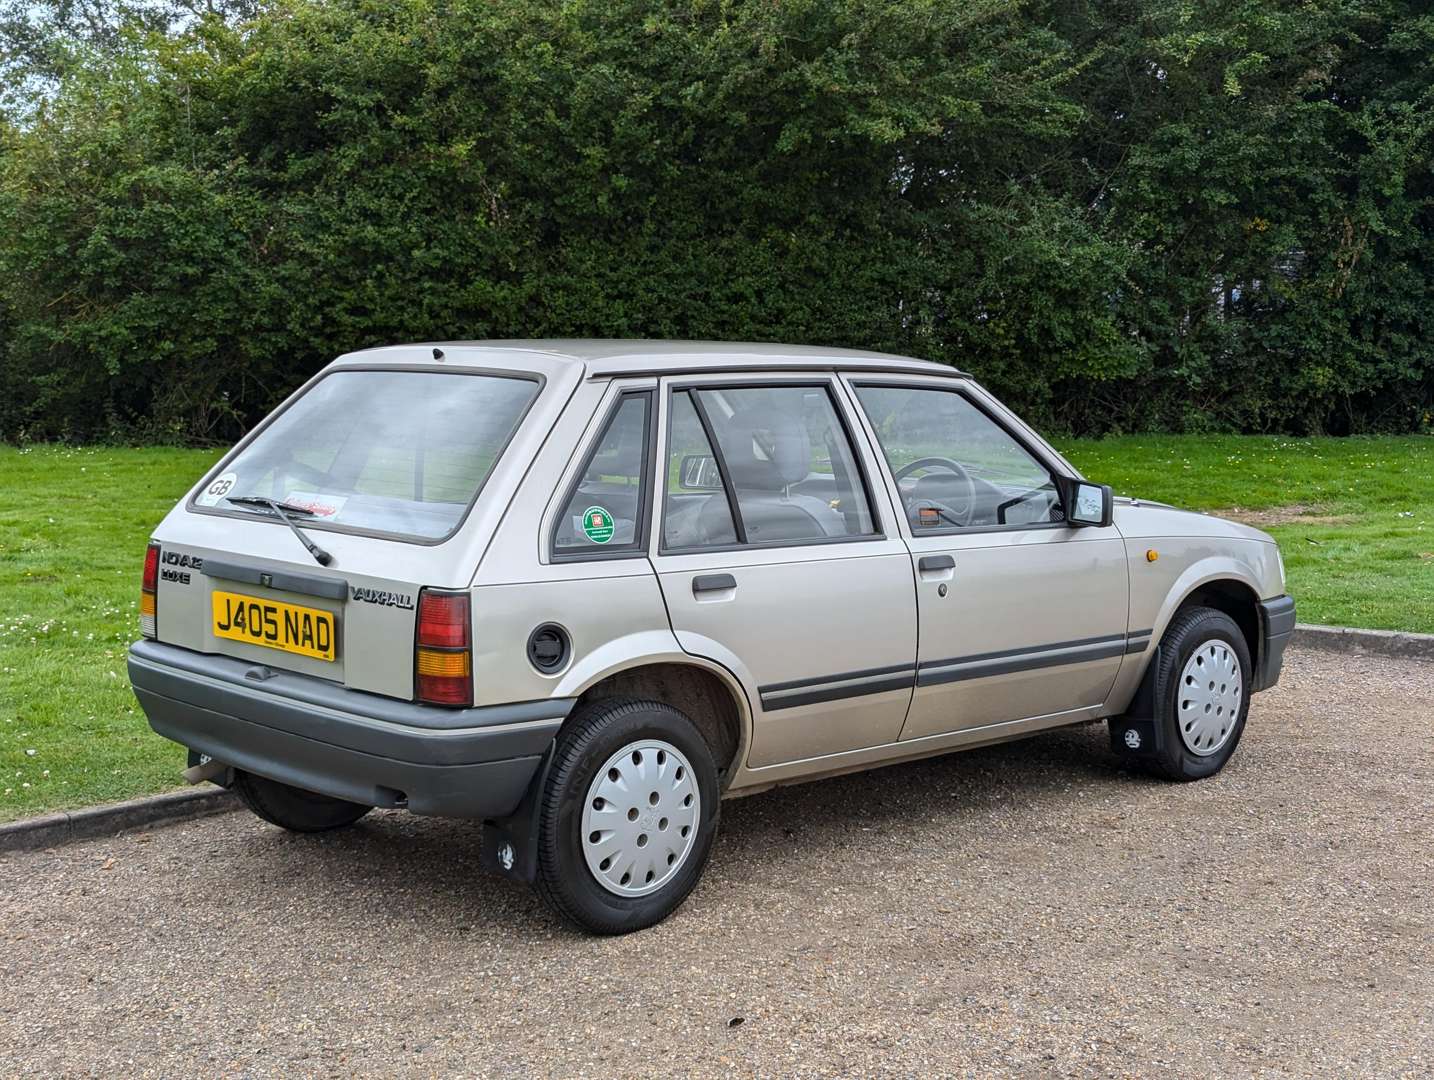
[[1136, 734], [510, 844]]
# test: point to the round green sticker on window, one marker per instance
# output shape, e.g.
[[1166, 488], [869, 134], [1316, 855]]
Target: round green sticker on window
[[597, 524]]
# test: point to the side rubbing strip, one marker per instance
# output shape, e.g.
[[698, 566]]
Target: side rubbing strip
[[1137, 641], [790, 695], [1056, 654]]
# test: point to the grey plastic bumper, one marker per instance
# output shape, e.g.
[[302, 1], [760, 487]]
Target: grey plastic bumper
[[317, 735], [1277, 625]]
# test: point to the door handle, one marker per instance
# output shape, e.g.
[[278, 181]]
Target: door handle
[[712, 583], [931, 563]]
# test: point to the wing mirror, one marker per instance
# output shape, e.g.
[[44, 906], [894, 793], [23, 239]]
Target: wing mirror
[[1086, 503], [699, 472]]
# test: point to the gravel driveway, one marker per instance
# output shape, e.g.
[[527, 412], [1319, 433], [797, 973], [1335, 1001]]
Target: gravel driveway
[[1030, 908]]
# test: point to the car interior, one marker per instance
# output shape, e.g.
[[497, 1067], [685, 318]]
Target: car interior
[[791, 479], [943, 493], [788, 487], [612, 480]]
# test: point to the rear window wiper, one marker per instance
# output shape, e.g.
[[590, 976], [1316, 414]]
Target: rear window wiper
[[282, 510], [272, 504]]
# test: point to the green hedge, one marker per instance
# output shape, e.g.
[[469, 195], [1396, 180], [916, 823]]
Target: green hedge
[[1120, 215]]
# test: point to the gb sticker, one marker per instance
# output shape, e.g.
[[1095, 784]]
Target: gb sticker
[[217, 488]]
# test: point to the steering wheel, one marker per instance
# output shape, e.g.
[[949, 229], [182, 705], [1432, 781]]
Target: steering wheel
[[952, 511]]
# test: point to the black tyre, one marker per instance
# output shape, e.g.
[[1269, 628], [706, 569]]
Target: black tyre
[[628, 816], [294, 808], [1202, 694]]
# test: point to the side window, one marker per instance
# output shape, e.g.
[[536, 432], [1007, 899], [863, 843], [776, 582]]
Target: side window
[[955, 466], [782, 469], [604, 512], [696, 512]]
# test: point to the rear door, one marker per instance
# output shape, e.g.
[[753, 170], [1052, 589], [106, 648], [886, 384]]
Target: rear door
[[777, 560], [1020, 615]]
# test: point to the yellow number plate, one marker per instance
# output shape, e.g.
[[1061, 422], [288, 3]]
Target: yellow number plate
[[275, 625]]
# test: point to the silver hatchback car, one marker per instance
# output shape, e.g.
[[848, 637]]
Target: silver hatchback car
[[584, 590]]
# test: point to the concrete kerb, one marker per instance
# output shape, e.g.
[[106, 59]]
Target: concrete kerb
[[66, 826], [1344, 639]]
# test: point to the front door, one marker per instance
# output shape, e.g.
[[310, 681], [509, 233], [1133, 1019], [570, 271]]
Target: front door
[[1020, 615], [779, 561]]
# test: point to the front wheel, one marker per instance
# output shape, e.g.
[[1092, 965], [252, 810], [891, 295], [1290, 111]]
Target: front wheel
[[628, 816], [1202, 694]]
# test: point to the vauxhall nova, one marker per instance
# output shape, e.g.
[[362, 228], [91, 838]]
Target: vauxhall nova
[[582, 591]]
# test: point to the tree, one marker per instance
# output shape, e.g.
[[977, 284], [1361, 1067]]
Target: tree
[[1129, 215]]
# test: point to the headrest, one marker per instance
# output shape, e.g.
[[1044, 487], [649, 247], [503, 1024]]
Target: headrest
[[766, 448]]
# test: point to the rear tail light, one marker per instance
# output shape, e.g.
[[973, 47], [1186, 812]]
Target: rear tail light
[[148, 587], [443, 653]]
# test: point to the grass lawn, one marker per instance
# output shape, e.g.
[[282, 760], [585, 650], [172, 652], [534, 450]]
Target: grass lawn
[[1352, 517], [73, 527]]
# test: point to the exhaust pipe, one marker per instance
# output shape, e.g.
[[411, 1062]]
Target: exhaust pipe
[[207, 769]]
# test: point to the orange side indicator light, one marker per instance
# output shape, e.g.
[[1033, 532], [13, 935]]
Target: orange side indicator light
[[1151, 555]]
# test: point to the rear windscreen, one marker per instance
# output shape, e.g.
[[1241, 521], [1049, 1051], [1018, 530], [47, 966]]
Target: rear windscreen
[[397, 452]]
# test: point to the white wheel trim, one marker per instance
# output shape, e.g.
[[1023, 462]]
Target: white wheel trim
[[640, 818], [1207, 701]]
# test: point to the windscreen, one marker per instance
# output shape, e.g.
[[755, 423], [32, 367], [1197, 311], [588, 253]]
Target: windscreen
[[397, 452]]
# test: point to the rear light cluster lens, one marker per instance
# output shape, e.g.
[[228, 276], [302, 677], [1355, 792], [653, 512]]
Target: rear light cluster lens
[[148, 587], [443, 619], [443, 654]]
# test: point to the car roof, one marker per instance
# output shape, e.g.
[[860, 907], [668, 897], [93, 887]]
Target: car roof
[[603, 358]]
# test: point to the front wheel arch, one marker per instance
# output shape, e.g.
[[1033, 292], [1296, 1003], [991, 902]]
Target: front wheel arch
[[1237, 600]]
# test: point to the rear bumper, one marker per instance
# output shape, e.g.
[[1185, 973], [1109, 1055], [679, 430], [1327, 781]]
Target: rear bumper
[[316, 735], [1277, 625]]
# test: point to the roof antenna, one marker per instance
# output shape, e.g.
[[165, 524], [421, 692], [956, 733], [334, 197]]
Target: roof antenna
[[437, 353]]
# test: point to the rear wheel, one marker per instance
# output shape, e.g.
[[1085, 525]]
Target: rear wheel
[[628, 817], [1202, 694], [294, 808]]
